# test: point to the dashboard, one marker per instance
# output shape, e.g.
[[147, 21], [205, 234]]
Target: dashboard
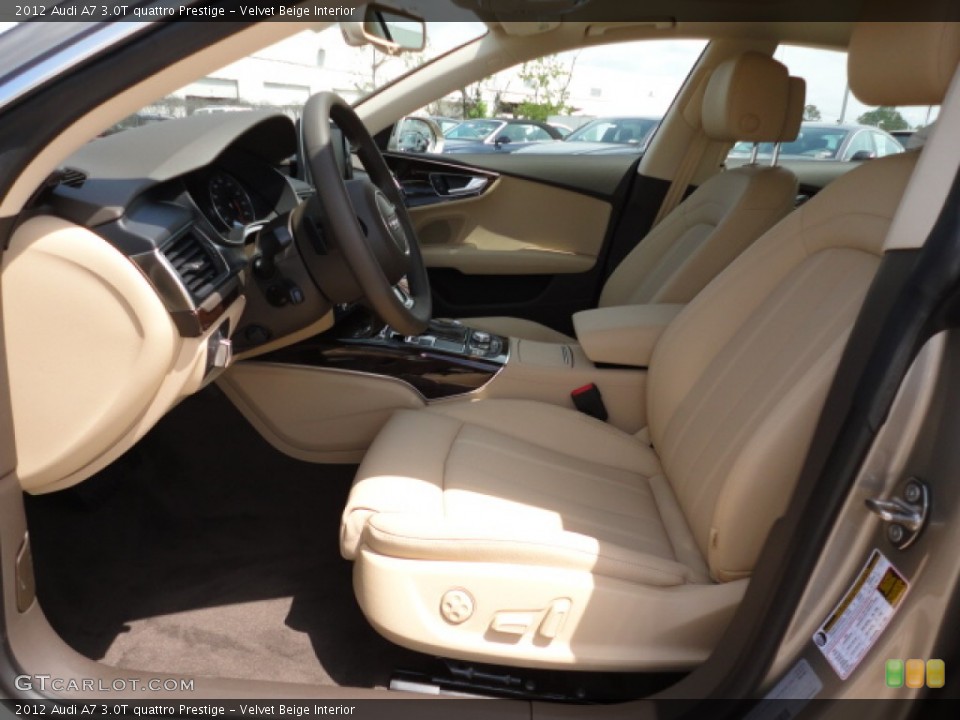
[[183, 201], [130, 280]]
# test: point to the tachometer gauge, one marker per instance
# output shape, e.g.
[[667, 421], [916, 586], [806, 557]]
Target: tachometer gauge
[[230, 201]]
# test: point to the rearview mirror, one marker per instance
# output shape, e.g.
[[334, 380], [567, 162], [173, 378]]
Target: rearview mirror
[[392, 31], [861, 155]]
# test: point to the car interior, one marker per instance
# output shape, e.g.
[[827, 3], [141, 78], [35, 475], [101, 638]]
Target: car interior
[[294, 415]]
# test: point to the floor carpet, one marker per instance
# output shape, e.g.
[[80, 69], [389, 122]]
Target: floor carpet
[[205, 551]]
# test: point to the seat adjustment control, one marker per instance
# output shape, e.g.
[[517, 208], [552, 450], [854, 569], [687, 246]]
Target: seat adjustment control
[[512, 623], [554, 619]]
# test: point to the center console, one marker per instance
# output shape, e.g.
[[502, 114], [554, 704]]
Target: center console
[[325, 398], [448, 359]]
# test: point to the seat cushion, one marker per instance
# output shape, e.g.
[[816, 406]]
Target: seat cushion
[[520, 482], [517, 328]]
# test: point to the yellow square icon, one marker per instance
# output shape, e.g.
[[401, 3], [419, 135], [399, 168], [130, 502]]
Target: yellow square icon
[[914, 673], [936, 673]]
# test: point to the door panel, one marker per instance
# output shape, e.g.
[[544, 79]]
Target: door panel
[[516, 235], [515, 227]]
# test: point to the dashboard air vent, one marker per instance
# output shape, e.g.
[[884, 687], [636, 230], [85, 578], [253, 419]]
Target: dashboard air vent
[[72, 177], [194, 263]]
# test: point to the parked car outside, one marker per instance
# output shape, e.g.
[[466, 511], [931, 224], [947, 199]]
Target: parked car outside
[[828, 141], [903, 136], [446, 124], [604, 136], [498, 135]]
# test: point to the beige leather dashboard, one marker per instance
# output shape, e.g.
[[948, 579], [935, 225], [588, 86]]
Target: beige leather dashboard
[[94, 357]]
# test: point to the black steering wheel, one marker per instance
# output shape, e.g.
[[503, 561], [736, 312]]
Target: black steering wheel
[[355, 235]]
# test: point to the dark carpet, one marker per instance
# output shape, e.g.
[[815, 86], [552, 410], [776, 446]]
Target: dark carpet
[[205, 551]]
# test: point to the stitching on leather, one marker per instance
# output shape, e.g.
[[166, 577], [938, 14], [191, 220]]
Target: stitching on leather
[[629, 537], [518, 541], [573, 416], [443, 472]]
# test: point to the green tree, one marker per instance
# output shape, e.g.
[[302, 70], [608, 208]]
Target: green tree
[[549, 78], [477, 110], [811, 112], [885, 118], [472, 104]]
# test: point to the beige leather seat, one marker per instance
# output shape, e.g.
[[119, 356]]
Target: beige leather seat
[[747, 98], [522, 533]]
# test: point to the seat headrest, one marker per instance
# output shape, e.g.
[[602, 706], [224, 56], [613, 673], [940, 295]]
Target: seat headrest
[[746, 99], [796, 102], [902, 63]]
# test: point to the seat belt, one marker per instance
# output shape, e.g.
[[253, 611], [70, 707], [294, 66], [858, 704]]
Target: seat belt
[[681, 180], [691, 159]]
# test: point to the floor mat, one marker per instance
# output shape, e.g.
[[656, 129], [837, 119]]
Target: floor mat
[[204, 550]]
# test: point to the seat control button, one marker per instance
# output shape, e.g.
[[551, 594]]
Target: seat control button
[[512, 623], [456, 606], [553, 621]]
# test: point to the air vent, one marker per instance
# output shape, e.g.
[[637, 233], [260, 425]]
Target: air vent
[[72, 177], [194, 263]]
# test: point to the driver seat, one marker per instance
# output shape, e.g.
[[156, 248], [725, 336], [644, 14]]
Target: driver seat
[[521, 533]]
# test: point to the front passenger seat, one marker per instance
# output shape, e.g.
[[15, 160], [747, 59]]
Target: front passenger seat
[[523, 533], [748, 98]]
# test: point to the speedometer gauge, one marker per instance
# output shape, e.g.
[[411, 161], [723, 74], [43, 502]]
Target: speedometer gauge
[[230, 201]]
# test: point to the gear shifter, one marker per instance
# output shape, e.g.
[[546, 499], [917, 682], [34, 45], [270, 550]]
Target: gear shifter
[[448, 329]]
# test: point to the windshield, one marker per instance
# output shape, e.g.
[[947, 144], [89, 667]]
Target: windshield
[[473, 130], [282, 76], [615, 130]]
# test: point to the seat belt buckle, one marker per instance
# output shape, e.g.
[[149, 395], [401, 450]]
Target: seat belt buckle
[[587, 399]]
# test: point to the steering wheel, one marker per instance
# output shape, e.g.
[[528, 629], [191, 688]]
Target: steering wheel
[[355, 236]]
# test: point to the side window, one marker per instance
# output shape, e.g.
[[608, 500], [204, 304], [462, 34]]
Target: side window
[[535, 133], [861, 143], [516, 132], [581, 91], [886, 146]]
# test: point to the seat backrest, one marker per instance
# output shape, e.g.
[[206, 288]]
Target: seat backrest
[[738, 380], [748, 98]]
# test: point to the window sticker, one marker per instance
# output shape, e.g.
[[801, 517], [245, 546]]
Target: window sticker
[[853, 627]]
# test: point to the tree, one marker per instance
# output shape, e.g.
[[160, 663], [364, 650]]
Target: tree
[[472, 104], [549, 78], [811, 112], [885, 118]]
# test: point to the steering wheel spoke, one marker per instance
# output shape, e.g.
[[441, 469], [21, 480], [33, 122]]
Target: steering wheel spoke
[[371, 244]]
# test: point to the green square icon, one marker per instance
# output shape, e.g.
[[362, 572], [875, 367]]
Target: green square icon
[[894, 673]]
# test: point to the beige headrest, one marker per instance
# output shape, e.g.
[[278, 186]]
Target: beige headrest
[[903, 63], [796, 101], [746, 99]]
